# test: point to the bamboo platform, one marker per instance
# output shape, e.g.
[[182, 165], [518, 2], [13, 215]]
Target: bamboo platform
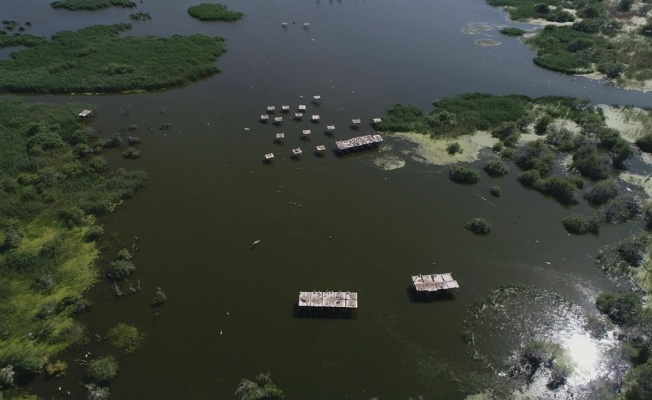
[[359, 142], [434, 282], [328, 299]]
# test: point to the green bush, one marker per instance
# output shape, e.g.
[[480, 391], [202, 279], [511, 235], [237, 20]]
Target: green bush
[[602, 192], [542, 124], [562, 189], [96, 392], [454, 148], [125, 337], [103, 369], [624, 207], [638, 382], [466, 175], [496, 168], [580, 224], [94, 233], [214, 12], [131, 153], [121, 269], [530, 179], [159, 297], [645, 143], [479, 226], [621, 308]]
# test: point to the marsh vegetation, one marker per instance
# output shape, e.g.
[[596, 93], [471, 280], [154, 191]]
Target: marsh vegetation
[[50, 198], [597, 36], [214, 12], [75, 5], [106, 61]]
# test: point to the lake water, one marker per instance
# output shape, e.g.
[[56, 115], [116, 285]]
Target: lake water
[[323, 223]]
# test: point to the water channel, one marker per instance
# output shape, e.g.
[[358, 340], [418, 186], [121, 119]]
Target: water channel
[[324, 223]]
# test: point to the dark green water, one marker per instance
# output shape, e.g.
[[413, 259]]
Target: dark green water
[[358, 228]]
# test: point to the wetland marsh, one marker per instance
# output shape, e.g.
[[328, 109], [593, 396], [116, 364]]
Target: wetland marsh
[[364, 222]]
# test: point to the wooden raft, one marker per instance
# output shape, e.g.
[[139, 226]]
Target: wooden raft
[[434, 282], [328, 299]]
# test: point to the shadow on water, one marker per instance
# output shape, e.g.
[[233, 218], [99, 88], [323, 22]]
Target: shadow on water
[[322, 312], [429, 297]]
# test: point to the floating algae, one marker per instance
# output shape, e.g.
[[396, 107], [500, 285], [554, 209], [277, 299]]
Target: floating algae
[[388, 162], [473, 28], [487, 42]]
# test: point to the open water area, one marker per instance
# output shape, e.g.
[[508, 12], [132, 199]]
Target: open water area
[[324, 223]]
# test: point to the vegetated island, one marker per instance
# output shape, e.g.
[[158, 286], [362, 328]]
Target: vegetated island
[[572, 151], [609, 39], [214, 12], [75, 5], [53, 183], [97, 60]]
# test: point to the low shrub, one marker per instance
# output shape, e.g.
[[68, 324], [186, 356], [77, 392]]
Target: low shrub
[[645, 143], [602, 192], [581, 224], [495, 191], [624, 207], [479, 226], [454, 148], [512, 31], [103, 369], [466, 175], [496, 168]]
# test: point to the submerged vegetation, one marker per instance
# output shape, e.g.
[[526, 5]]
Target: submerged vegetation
[[75, 5], [601, 36], [49, 196], [97, 59], [214, 12]]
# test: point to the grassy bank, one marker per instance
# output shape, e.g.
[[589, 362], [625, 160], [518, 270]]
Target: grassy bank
[[53, 182], [75, 5], [97, 60], [611, 38], [214, 12]]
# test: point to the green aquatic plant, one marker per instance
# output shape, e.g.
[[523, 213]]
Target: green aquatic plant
[[214, 12], [97, 59], [103, 369], [261, 388], [479, 226]]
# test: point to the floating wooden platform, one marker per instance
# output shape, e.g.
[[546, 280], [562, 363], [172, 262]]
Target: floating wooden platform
[[297, 152], [298, 116], [284, 24], [269, 156], [434, 282], [328, 299], [321, 147], [302, 107], [356, 121], [285, 109], [278, 120], [264, 117], [315, 118], [330, 128], [306, 25], [376, 120], [85, 113], [359, 142], [306, 132], [280, 137], [271, 109]]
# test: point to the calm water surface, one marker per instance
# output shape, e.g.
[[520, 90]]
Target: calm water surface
[[354, 226]]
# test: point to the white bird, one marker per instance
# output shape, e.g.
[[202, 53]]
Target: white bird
[[256, 242], [220, 332]]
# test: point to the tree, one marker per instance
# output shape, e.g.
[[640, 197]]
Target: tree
[[580, 224], [461, 174], [638, 382], [121, 269], [454, 148], [621, 308], [103, 369], [261, 388], [602, 192], [125, 337], [496, 168]]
